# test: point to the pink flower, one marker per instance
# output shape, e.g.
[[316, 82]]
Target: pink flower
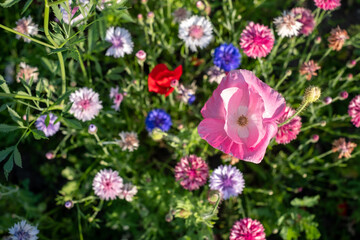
[[354, 111], [141, 55], [257, 40], [192, 172], [107, 184], [327, 4], [306, 18], [117, 98], [289, 131], [247, 229], [241, 116]]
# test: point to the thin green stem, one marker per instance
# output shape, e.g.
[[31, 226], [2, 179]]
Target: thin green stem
[[82, 66], [298, 111], [312, 160], [324, 56], [79, 223], [101, 145], [98, 209], [20, 96], [263, 70], [56, 3], [25, 36]]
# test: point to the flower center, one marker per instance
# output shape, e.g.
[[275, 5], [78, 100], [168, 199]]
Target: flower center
[[22, 235], [228, 182], [196, 32], [242, 121], [117, 42], [85, 104]]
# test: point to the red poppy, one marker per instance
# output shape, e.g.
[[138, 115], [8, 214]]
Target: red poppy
[[161, 79]]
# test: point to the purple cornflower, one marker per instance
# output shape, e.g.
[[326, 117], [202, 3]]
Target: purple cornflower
[[49, 130], [227, 57], [158, 118], [228, 180], [120, 39], [23, 231]]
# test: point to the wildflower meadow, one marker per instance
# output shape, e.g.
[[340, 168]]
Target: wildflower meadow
[[179, 119]]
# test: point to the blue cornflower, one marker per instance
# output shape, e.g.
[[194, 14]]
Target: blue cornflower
[[191, 99], [227, 180], [227, 57], [158, 118]]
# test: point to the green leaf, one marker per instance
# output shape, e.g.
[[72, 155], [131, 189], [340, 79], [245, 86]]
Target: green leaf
[[3, 107], [15, 116], [72, 123], [17, 157], [305, 202], [3, 85], [63, 97], [38, 134], [47, 120], [9, 3], [4, 153], [8, 166], [27, 5], [7, 128]]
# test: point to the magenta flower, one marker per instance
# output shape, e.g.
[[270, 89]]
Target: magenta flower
[[354, 111], [306, 18], [327, 4], [257, 40], [289, 131], [241, 116], [247, 229], [107, 184], [192, 172], [116, 97]]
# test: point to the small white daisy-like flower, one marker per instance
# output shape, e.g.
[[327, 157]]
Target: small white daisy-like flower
[[23, 231], [27, 72], [120, 39], [86, 104], [26, 27], [196, 32], [129, 141], [75, 10], [128, 191], [287, 25]]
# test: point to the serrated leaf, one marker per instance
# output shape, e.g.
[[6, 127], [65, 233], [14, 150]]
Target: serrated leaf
[[305, 202], [15, 116], [3, 85], [7, 128], [17, 157], [38, 134], [72, 123], [4, 153], [26, 6], [8, 166], [9, 3]]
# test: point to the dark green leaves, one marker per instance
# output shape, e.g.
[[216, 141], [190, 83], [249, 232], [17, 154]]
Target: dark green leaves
[[9, 3], [7, 128], [305, 202], [14, 157], [72, 123]]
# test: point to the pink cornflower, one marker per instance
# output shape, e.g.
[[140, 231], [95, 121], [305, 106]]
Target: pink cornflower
[[257, 40], [117, 98], [27, 27], [287, 25], [354, 111], [192, 172], [327, 4], [343, 95], [27, 73], [306, 18], [86, 104], [309, 69], [344, 148], [107, 184], [337, 38], [247, 229], [141, 55], [289, 131], [128, 191], [241, 116]]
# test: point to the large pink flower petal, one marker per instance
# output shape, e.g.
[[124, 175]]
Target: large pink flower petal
[[255, 118], [212, 130]]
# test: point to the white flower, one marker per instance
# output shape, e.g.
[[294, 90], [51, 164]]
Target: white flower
[[129, 141], [86, 104], [23, 231], [128, 191], [120, 39], [196, 32], [27, 72], [26, 27], [287, 25], [75, 10]]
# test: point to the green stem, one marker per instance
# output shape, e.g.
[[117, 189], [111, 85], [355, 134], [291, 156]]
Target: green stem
[[101, 145], [324, 56], [82, 66], [56, 3], [281, 81], [79, 223], [298, 111], [25, 36], [312, 160], [20, 96], [263, 69], [97, 211]]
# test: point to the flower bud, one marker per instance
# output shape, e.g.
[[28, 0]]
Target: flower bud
[[140, 17], [141, 55], [350, 76], [92, 129], [213, 196], [323, 123], [327, 100], [312, 94], [69, 204], [143, 1], [174, 83], [200, 5], [157, 134], [183, 213], [318, 40], [343, 95], [351, 64], [169, 217], [315, 138], [150, 15], [50, 155], [288, 73]]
